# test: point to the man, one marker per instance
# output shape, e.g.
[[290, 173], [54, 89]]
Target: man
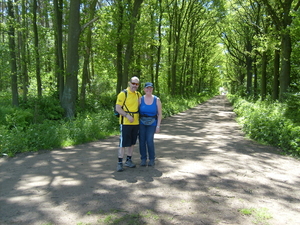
[[127, 106]]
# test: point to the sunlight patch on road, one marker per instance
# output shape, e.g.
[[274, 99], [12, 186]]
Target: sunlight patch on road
[[30, 181], [173, 137], [164, 136], [65, 181]]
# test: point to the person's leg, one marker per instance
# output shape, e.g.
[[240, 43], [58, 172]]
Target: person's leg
[[130, 150], [134, 129], [142, 143], [125, 141], [129, 162], [120, 159], [121, 153], [150, 144]]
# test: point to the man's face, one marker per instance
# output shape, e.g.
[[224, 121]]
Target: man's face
[[134, 84]]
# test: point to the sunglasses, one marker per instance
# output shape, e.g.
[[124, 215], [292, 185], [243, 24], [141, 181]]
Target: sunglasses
[[137, 84]]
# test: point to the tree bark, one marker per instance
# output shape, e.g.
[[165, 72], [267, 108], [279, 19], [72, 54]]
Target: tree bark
[[59, 59], [158, 56], [275, 93], [24, 70], [249, 65], [129, 47], [119, 63], [264, 76], [36, 50], [70, 93], [285, 73], [12, 50], [86, 61]]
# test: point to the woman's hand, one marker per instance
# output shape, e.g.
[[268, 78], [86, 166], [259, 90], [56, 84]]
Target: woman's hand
[[157, 129]]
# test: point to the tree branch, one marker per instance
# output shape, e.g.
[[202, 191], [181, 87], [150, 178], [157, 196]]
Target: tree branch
[[89, 23]]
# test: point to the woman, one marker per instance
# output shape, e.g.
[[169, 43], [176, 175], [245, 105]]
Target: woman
[[150, 119]]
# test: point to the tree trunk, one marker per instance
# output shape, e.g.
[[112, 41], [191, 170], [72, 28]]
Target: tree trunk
[[255, 79], [282, 22], [59, 70], [275, 93], [12, 49], [286, 49], [249, 66], [70, 93], [264, 76], [129, 47], [119, 63], [36, 50], [157, 66], [87, 53], [24, 70], [285, 78]]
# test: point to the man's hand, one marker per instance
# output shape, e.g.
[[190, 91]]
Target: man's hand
[[130, 118]]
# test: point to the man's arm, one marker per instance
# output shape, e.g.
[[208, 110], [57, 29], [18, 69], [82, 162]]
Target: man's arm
[[123, 113]]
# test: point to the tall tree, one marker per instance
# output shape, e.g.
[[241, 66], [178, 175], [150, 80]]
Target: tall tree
[[159, 46], [59, 57], [36, 49], [12, 50], [70, 93], [119, 20], [23, 43], [281, 14], [276, 75], [134, 14], [87, 54]]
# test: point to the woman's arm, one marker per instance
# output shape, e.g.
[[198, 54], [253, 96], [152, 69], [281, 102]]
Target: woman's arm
[[159, 115]]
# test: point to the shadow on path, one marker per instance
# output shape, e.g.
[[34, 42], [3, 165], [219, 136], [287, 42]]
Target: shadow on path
[[206, 171]]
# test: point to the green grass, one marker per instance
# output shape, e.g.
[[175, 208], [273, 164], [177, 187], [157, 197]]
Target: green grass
[[260, 215], [118, 217]]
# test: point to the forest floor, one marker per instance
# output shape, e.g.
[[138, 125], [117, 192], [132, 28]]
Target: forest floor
[[206, 172]]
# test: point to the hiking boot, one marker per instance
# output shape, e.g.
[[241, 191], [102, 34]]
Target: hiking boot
[[129, 164], [151, 162], [143, 163], [120, 167]]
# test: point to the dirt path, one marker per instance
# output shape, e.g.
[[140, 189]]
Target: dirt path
[[206, 173]]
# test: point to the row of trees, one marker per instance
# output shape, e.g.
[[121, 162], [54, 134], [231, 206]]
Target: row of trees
[[262, 40], [72, 47], [81, 48]]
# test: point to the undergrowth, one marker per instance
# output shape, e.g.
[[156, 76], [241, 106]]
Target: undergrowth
[[39, 124], [271, 123]]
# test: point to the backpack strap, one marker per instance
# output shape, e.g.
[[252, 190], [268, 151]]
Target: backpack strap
[[125, 91]]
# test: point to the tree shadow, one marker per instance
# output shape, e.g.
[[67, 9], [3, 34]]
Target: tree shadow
[[205, 172]]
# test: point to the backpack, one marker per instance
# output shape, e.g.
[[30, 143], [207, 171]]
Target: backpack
[[115, 111]]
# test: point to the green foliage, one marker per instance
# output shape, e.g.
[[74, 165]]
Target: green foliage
[[45, 108], [20, 133], [35, 110], [293, 108], [18, 119], [267, 122], [53, 134]]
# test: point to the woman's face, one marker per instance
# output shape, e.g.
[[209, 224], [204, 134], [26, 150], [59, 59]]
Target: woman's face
[[148, 90]]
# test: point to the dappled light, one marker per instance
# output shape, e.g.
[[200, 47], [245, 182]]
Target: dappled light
[[205, 171]]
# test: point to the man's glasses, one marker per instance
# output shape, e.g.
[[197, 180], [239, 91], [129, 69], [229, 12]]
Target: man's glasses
[[137, 84]]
